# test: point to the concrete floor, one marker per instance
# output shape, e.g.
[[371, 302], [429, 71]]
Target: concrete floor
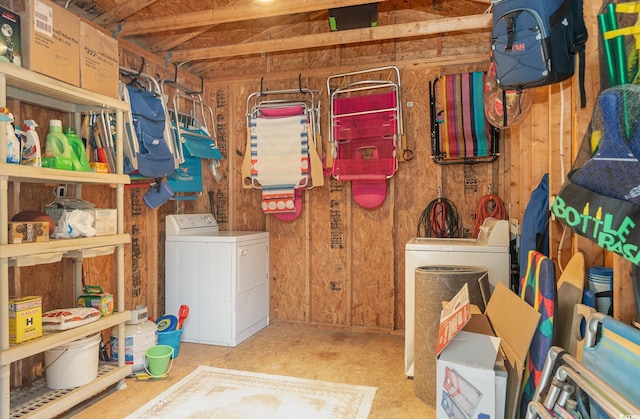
[[346, 357]]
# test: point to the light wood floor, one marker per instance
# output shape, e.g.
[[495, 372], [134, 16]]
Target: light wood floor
[[347, 357]]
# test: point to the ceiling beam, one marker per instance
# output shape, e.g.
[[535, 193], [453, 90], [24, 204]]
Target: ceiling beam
[[174, 41], [234, 13], [321, 72], [123, 11], [353, 36], [272, 32]]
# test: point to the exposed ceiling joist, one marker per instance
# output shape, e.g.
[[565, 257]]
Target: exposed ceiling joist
[[123, 11], [270, 33], [228, 14], [354, 36], [174, 41]]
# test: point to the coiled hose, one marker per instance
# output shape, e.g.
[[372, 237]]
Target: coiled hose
[[489, 206], [439, 219]]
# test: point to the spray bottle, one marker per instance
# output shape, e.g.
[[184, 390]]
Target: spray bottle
[[17, 130], [57, 152], [13, 142], [31, 155], [78, 152]]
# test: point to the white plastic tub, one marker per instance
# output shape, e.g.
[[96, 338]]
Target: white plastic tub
[[72, 364]]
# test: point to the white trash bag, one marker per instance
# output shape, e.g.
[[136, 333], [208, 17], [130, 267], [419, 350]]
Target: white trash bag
[[76, 223]]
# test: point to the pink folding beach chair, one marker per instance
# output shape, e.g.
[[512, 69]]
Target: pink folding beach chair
[[366, 124]]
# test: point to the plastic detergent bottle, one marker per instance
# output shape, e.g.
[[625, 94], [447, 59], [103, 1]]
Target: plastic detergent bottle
[[13, 145], [31, 155], [57, 152], [78, 152], [13, 142]]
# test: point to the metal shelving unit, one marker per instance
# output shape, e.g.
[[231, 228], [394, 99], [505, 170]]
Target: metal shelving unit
[[34, 88]]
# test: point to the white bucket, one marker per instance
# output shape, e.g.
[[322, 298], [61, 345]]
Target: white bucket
[[72, 364]]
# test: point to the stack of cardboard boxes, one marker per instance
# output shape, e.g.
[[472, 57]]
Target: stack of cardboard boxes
[[50, 40], [481, 356]]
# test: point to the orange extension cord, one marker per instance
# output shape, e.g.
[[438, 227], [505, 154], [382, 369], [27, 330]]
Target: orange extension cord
[[489, 206]]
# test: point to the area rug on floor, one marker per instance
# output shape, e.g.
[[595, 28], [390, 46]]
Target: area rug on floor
[[210, 392]]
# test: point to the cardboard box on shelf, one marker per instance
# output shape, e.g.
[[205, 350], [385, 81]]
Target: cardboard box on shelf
[[10, 41], [487, 379], [105, 220], [51, 41], [25, 318], [94, 296], [99, 63], [28, 231], [99, 167]]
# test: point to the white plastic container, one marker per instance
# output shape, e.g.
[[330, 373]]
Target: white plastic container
[[14, 151], [31, 154], [139, 335], [72, 364]]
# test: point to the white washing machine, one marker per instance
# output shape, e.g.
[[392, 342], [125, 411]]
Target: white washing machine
[[490, 250], [223, 276]]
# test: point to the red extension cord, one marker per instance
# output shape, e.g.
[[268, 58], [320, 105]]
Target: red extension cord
[[489, 206]]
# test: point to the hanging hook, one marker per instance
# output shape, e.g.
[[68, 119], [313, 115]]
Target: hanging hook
[[175, 74], [141, 66], [201, 87], [300, 82], [261, 80], [130, 73]]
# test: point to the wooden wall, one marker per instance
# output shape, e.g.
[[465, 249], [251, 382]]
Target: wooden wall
[[338, 265], [342, 266]]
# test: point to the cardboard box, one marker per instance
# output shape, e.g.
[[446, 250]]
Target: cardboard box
[[10, 41], [95, 297], [99, 63], [481, 360], [98, 167], [25, 318], [51, 41], [28, 231], [105, 220]]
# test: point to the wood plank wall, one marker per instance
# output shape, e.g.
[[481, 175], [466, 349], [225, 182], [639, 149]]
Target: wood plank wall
[[360, 252], [338, 265]]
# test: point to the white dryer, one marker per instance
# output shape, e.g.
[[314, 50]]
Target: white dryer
[[490, 250], [223, 276]]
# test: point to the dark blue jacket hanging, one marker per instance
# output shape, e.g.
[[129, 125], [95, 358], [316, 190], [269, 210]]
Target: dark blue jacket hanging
[[535, 223]]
